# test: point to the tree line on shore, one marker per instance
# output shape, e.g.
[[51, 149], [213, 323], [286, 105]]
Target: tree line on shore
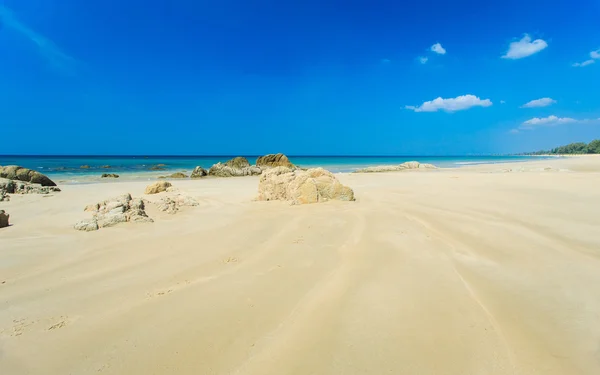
[[577, 148]]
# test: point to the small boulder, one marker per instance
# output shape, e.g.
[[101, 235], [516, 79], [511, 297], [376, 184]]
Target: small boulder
[[235, 167], [158, 187], [302, 187], [238, 162], [3, 219], [158, 167], [199, 172], [85, 167], [171, 205], [113, 211], [109, 175], [14, 172], [274, 160], [106, 167], [178, 175]]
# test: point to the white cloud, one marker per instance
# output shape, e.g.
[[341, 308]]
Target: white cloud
[[550, 120], [437, 48], [524, 47], [423, 60], [582, 64], [537, 122], [452, 104], [543, 102], [595, 55]]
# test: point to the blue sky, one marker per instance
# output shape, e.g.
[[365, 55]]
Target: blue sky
[[300, 77]]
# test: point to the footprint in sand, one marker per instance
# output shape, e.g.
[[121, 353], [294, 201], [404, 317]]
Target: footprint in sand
[[230, 260]]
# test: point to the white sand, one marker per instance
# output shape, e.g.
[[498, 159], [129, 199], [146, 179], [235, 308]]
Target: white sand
[[444, 272]]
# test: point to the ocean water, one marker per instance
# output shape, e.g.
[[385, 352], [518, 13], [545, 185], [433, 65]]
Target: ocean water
[[67, 169]]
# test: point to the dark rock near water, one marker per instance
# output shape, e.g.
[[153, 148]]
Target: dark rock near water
[[158, 167], [235, 167], [106, 167], [20, 187], [178, 175], [85, 167], [3, 219], [199, 172], [14, 172], [109, 175]]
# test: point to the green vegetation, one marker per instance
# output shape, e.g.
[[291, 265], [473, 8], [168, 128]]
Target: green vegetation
[[577, 148]]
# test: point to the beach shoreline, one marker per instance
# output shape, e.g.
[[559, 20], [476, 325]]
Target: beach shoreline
[[488, 268]]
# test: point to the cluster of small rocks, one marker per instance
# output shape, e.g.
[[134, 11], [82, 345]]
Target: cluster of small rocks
[[171, 205], [113, 211]]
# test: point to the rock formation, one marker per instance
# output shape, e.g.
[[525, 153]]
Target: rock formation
[[157, 187], [158, 167], [14, 172], [113, 211], [411, 165], [234, 168], [178, 175], [171, 205], [4, 197], [274, 160], [110, 175], [3, 219], [199, 172], [20, 187], [85, 167], [106, 167], [301, 187]]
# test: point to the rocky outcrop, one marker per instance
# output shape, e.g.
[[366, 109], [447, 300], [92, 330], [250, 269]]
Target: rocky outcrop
[[199, 172], [20, 187], [3, 219], [14, 172], [411, 165], [238, 162], [109, 175], [274, 160], [157, 187], [235, 167], [113, 211], [158, 167], [301, 187], [4, 197], [178, 175], [171, 205]]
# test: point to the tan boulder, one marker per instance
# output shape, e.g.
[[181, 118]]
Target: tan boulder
[[199, 172], [14, 172], [235, 167], [302, 187], [113, 211], [158, 187], [274, 160]]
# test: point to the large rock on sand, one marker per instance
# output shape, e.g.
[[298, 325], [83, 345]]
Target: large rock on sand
[[199, 172], [411, 165], [301, 187], [3, 219], [274, 160], [157, 187], [235, 167], [113, 211], [14, 172], [20, 187]]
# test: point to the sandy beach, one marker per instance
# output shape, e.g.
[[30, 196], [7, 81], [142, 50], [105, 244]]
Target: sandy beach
[[483, 270]]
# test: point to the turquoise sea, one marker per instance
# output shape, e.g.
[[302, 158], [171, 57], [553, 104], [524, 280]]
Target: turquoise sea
[[67, 169]]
